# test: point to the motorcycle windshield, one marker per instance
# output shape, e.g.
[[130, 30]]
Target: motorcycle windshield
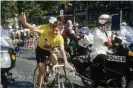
[[85, 30], [5, 40], [5, 60]]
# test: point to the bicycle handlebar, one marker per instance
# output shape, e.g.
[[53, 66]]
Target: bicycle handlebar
[[60, 65]]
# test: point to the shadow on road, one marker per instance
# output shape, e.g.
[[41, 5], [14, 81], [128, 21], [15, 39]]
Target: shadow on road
[[30, 58], [26, 84], [22, 84]]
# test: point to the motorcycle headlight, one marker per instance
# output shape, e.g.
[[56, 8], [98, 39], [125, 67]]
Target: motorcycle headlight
[[13, 57], [130, 53]]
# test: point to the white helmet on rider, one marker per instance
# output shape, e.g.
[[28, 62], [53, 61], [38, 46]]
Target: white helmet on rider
[[124, 24], [104, 19], [52, 20]]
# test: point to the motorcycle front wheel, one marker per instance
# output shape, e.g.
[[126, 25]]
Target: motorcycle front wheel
[[4, 82]]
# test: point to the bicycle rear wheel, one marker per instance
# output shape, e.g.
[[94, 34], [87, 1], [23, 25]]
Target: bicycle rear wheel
[[61, 81]]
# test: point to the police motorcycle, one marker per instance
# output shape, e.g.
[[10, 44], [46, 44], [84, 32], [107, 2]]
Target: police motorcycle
[[117, 70], [8, 59]]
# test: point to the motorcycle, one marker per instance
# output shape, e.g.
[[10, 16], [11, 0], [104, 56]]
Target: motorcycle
[[116, 71], [8, 60], [81, 57]]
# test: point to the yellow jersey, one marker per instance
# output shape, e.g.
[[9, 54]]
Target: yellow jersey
[[47, 40]]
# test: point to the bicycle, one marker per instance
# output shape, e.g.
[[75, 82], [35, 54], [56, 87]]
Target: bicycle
[[56, 81]]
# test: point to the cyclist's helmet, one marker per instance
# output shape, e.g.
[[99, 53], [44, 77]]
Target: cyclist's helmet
[[105, 18], [52, 20]]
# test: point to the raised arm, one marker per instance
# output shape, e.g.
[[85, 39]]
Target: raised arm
[[24, 22]]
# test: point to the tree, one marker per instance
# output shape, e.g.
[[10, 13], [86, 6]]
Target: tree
[[31, 8], [8, 10]]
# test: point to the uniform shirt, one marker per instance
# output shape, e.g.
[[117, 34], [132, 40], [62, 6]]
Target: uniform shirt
[[99, 46], [47, 40]]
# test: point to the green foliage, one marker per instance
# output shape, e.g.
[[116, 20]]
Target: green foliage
[[8, 10], [31, 8]]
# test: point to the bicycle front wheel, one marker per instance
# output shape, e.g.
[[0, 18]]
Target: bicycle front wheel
[[61, 81], [36, 71]]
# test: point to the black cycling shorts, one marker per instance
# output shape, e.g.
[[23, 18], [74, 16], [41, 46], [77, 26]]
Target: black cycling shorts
[[42, 54]]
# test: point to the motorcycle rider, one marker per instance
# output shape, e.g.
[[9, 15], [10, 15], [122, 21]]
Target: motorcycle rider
[[126, 34], [102, 38], [102, 41]]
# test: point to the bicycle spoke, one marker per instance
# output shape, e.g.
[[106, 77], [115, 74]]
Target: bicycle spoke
[[63, 82]]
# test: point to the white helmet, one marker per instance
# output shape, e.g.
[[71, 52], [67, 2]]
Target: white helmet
[[52, 20], [104, 18], [123, 23]]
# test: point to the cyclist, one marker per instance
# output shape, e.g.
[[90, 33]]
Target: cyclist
[[49, 38]]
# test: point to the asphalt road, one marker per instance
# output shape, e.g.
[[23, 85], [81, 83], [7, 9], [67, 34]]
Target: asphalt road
[[24, 69]]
